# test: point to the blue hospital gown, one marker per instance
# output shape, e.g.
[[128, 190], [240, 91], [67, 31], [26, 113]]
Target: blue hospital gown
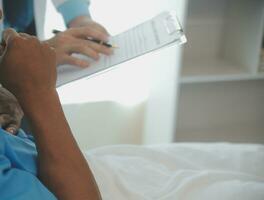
[[18, 169]]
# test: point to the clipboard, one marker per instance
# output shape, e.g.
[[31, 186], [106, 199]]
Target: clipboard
[[156, 33]]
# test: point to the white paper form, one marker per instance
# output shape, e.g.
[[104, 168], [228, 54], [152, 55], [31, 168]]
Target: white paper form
[[151, 35]]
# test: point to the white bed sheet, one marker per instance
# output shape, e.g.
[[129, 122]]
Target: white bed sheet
[[179, 172]]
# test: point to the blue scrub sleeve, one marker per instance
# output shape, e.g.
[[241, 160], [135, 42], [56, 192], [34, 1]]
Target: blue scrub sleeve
[[73, 8], [16, 184], [18, 170]]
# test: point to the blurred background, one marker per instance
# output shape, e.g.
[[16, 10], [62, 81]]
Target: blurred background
[[208, 90]]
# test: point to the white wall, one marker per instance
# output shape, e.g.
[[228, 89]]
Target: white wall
[[105, 123]]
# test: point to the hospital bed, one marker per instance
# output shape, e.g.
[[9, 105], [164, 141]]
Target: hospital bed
[[184, 171]]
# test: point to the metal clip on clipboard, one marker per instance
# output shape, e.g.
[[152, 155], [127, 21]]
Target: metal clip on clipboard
[[172, 25]]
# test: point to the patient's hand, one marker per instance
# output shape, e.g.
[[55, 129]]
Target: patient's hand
[[10, 112]]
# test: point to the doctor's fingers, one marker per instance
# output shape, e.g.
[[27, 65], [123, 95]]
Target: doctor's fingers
[[99, 47], [80, 48], [88, 31], [69, 59], [99, 28]]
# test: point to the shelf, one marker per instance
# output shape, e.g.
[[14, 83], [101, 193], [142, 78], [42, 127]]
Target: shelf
[[214, 71], [220, 78], [223, 45], [221, 96]]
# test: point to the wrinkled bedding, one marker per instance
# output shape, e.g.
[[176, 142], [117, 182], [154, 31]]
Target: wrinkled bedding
[[188, 171]]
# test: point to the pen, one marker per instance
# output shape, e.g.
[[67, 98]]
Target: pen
[[92, 40]]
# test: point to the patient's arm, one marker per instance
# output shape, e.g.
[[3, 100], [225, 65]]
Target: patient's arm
[[61, 164], [62, 167]]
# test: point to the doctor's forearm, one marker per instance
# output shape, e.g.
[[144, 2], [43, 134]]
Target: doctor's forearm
[[72, 9], [62, 167]]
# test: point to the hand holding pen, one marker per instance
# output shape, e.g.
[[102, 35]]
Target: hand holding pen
[[81, 40], [92, 40]]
